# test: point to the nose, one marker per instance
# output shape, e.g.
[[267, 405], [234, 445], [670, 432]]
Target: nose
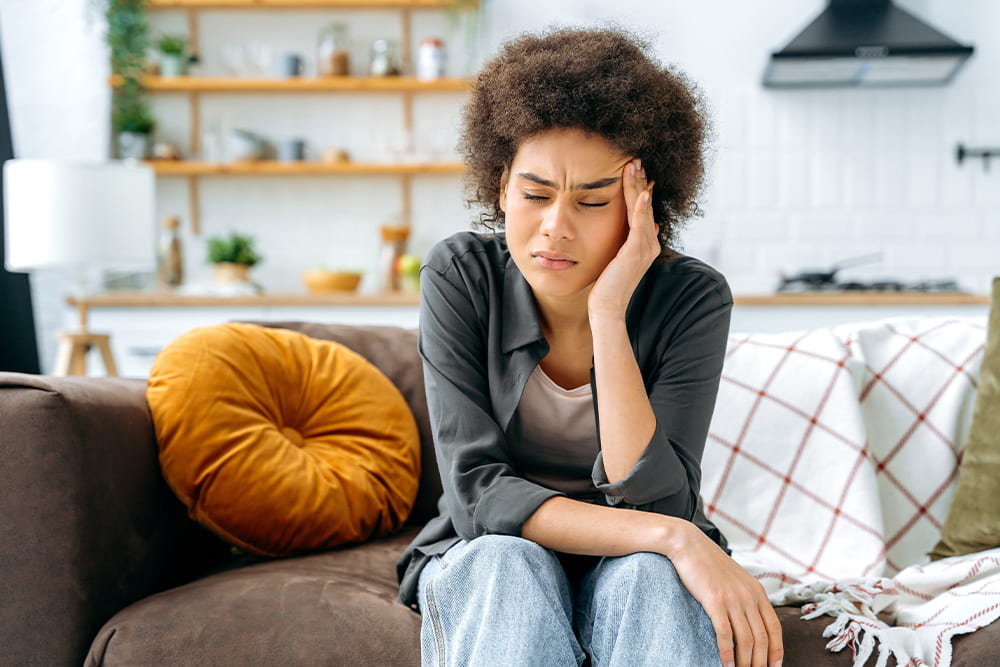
[[557, 222]]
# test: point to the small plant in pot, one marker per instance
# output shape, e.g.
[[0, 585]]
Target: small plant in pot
[[128, 38], [172, 56], [133, 124], [231, 257]]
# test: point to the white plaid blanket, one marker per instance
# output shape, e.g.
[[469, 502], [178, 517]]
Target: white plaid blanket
[[830, 463]]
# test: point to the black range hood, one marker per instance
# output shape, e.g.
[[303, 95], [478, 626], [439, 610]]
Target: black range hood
[[866, 43]]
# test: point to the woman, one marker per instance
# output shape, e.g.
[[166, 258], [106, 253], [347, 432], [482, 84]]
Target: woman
[[571, 365]]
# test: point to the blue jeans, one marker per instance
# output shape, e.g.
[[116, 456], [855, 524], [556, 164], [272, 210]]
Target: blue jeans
[[502, 600]]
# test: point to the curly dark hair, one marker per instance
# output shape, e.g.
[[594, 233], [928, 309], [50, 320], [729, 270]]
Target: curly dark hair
[[604, 82]]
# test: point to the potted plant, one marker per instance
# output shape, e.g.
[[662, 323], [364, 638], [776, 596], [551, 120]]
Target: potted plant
[[172, 60], [232, 258], [133, 124], [128, 38]]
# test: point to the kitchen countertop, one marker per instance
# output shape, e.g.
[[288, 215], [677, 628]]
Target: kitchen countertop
[[128, 299]]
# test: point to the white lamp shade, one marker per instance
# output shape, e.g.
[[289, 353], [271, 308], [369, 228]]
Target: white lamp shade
[[82, 215]]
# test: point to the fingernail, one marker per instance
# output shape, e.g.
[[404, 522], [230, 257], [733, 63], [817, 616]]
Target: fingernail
[[631, 168]]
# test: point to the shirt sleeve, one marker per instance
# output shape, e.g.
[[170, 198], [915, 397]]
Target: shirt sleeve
[[682, 389], [482, 491]]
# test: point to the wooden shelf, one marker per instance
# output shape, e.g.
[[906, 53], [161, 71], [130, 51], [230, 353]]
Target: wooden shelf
[[194, 168], [125, 299], [864, 298], [307, 4], [327, 84]]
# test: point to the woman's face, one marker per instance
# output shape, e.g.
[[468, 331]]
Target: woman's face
[[564, 210]]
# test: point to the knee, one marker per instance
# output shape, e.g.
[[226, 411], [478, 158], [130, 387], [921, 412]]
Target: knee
[[509, 550], [504, 563], [652, 572]]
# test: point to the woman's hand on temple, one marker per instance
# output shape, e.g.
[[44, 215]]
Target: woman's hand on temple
[[614, 287], [746, 625]]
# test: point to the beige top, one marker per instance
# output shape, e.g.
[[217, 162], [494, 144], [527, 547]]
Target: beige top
[[553, 436]]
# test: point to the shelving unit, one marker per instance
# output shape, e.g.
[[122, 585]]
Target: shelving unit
[[195, 168], [305, 4], [195, 87], [328, 84]]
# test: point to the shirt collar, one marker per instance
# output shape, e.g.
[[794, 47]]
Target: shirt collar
[[521, 324]]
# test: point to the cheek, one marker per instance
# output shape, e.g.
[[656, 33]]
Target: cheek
[[616, 225], [517, 223]]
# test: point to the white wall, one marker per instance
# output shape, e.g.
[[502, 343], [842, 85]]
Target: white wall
[[800, 179]]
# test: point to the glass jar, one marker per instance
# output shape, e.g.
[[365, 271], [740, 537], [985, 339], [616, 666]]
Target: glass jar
[[334, 52], [385, 58]]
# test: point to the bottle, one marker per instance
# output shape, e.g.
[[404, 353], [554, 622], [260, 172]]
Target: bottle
[[394, 238], [334, 52], [430, 59], [169, 259], [385, 58]]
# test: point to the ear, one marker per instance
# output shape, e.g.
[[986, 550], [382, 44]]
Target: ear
[[503, 190]]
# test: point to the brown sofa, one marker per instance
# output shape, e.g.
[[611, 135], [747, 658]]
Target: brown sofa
[[100, 564]]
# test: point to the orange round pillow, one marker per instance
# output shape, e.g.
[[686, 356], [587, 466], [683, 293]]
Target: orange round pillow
[[280, 443]]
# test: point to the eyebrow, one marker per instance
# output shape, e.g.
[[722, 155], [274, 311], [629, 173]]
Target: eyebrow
[[595, 185]]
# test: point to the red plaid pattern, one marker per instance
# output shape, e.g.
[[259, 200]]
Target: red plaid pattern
[[832, 454]]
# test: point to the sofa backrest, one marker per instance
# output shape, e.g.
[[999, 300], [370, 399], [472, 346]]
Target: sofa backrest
[[393, 350]]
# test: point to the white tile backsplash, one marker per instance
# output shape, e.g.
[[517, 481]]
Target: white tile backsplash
[[857, 171]]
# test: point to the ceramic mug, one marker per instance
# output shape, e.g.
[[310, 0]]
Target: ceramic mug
[[291, 65], [291, 150]]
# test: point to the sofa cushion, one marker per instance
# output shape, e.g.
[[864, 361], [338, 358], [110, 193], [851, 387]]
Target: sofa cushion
[[973, 520], [334, 608], [280, 443], [339, 608]]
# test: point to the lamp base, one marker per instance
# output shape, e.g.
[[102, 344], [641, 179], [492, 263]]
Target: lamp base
[[71, 358]]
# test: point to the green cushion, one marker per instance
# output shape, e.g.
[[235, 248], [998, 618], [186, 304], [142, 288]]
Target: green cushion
[[973, 521]]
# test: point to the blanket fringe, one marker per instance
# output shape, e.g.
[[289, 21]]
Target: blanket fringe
[[862, 641], [857, 625]]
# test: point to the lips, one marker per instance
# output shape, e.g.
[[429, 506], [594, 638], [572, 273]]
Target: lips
[[552, 260]]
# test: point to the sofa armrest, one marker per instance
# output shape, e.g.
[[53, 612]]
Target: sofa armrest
[[84, 512]]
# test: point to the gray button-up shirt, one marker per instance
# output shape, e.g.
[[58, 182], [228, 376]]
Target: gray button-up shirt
[[480, 338]]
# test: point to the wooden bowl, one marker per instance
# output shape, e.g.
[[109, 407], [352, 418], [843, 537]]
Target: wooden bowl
[[320, 281]]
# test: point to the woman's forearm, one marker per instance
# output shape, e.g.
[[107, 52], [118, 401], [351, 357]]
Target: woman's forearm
[[626, 419], [576, 527]]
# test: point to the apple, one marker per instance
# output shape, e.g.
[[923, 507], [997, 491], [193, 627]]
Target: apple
[[408, 265], [408, 269]]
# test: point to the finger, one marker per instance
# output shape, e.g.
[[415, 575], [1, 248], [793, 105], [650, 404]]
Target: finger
[[759, 630], [723, 635], [642, 210], [775, 644], [641, 219], [634, 181], [743, 636]]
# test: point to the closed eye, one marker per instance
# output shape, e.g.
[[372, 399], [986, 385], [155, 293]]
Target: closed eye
[[530, 197]]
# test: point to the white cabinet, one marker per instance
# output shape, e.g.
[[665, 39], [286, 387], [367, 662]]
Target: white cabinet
[[138, 333], [140, 325]]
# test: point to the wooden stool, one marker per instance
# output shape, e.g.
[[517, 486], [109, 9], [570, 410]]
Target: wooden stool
[[71, 358]]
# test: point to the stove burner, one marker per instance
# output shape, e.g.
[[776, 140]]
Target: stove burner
[[798, 284], [826, 281]]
